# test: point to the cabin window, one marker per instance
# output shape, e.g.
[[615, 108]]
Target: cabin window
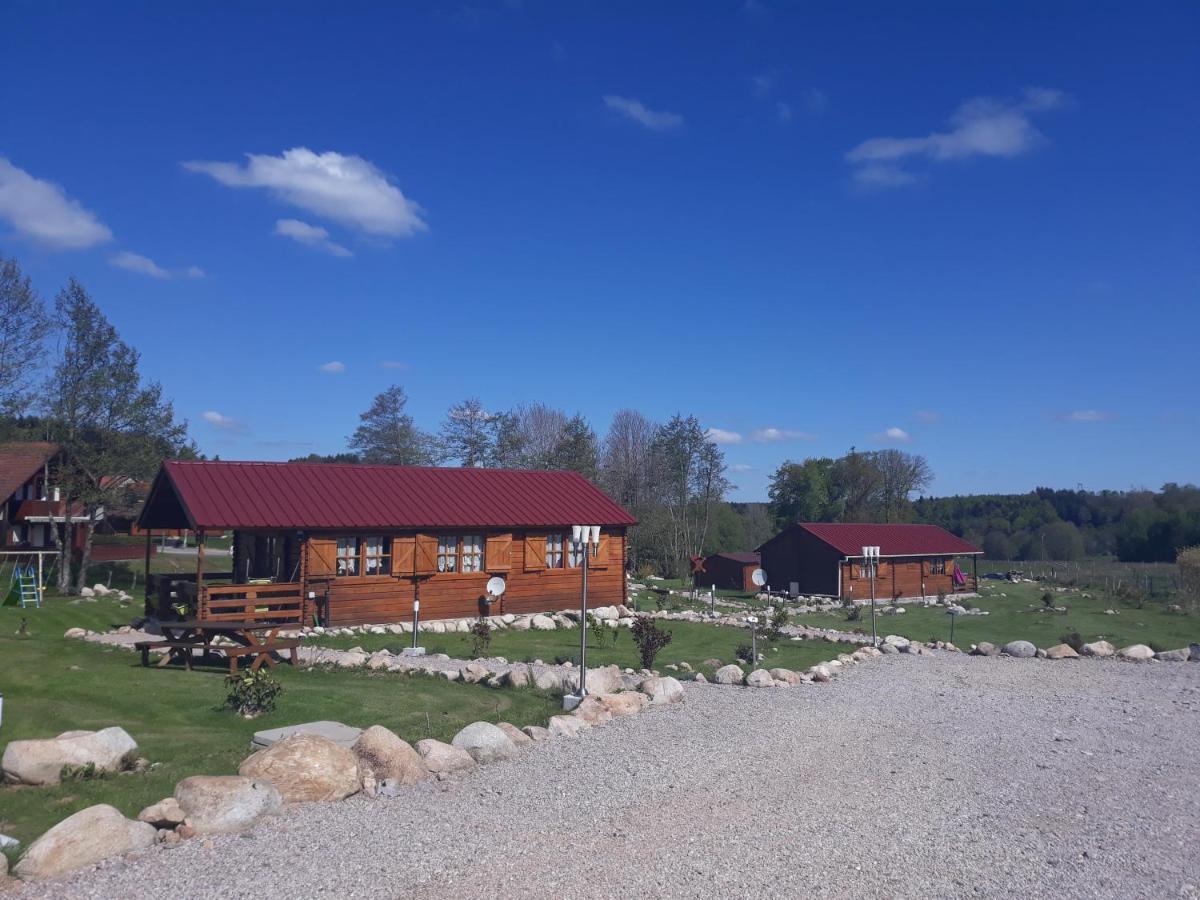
[[377, 556], [575, 554], [347, 556], [937, 566], [447, 555], [472, 553], [554, 551]]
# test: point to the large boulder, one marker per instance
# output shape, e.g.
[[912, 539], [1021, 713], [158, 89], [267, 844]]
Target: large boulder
[[515, 734], [985, 648], [87, 837], [760, 678], [1180, 655], [442, 759], [536, 732], [1136, 652], [593, 710], [389, 757], [1098, 648], [786, 675], [662, 690], [485, 742], [548, 680], [1061, 651], [306, 768], [729, 674], [626, 703], [542, 623], [1019, 650], [472, 673], [604, 680], [42, 761], [218, 804]]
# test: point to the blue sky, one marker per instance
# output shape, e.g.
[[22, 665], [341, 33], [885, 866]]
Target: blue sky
[[967, 230]]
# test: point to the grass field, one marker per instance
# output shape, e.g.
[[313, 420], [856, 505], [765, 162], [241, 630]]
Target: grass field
[[52, 684], [690, 642]]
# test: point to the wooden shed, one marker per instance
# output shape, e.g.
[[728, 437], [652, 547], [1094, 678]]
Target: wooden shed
[[358, 544], [728, 571], [825, 559]]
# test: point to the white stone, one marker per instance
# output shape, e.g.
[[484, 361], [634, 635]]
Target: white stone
[[729, 674], [388, 757], [485, 742], [83, 839], [166, 813], [42, 761], [442, 759], [1019, 649], [1098, 648], [566, 726], [1136, 652], [218, 804], [306, 768], [662, 690], [760, 678], [542, 623]]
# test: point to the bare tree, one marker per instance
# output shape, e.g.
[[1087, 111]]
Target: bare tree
[[541, 428], [625, 459], [469, 434]]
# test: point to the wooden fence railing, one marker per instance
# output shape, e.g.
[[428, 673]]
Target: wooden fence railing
[[282, 603]]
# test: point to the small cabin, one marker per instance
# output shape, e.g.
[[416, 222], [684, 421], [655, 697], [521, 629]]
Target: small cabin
[[31, 502], [826, 559], [357, 544], [727, 571]]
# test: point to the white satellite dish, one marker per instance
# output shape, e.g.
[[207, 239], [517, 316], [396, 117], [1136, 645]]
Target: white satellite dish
[[496, 585], [759, 577]]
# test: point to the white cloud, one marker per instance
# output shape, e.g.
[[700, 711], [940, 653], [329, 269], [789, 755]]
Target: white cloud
[[721, 436], [741, 467], [309, 235], [927, 416], [334, 367], [984, 126], [42, 211], [143, 265], [223, 422], [346, 189], [1088, 415], [892, 435], [636, 111], [772, 435]]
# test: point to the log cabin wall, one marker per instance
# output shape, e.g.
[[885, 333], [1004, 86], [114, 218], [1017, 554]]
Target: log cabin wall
[[900, 576], [517, 556]]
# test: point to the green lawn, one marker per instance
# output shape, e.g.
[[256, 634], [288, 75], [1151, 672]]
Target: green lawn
[[52, 684], [1017, 616], [691, 642]]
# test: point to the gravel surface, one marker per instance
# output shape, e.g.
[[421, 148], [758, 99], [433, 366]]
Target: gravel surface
[[940, 776]]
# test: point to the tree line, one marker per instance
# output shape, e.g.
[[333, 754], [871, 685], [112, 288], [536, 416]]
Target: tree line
[[67, 377]]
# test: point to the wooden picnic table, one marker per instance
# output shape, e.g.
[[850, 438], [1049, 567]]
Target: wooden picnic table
[[183, 637]]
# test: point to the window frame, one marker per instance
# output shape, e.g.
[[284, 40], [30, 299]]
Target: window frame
[[351, 559], [383, 556], [449, 554], [472, 563], [556, 549], [937, 565]]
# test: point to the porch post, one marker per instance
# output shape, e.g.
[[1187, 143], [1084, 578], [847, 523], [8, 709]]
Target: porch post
[[149, 549], [975, 570]]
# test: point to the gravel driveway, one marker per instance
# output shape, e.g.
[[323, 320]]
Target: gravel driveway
[[934, 776]]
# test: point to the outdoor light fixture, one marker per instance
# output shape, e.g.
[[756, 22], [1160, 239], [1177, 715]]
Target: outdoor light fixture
[[753, 620], [586, 542], [871, 561]]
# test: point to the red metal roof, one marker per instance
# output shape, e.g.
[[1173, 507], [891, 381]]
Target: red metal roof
[[332, 496], [21, 461], [848, 538], [744, 558]]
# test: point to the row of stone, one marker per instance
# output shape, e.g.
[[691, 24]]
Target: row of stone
[[613, 615], [306, 767], [819, 673], [1096, 649]]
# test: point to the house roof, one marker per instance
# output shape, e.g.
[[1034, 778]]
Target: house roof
[[744, 558], [848, 538], [21, 461], [320, 496]]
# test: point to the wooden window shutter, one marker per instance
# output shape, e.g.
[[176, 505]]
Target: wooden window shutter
[[426, 554], [321, 560], [601, 559], [535, 552], [404, 553], [497, 556]]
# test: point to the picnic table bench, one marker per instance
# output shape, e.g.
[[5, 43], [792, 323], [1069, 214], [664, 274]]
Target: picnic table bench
[[181, 639]]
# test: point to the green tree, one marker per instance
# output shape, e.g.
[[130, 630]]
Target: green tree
[[469, 434], [996, 545], [1062, 541], [900, 476], [802, 492], [689, 472], [24, 326], [112, 427], [387, 434], [576, 449]]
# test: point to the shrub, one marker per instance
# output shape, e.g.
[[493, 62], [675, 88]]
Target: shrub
[[602, 635], [1048, 600], [649, 639], [776, 624], [941, 595], [853, 613], [1072, 639], [745, 654], [252, 693], [644, 571], [481, 637]]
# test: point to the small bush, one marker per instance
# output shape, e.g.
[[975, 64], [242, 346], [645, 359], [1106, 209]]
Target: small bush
[[644, 571], [481, 637], [649, 639], [941, 595], [853, 613], [776, 624], [602, 635], [1048, 600], [745, 654], [1072, 639], [252, 693]]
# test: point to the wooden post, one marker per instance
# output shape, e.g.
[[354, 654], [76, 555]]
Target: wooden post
[[149, 549], [200, 541], [975, 568]]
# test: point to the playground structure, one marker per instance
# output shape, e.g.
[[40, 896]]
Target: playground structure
[[27, 576]]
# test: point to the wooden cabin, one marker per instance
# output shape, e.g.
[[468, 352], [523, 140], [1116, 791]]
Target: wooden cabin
[[31, 503], [728, 571], [357, 544], [825, 559]]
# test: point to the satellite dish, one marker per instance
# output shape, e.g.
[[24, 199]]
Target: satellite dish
[[759, 577], [496, 585]]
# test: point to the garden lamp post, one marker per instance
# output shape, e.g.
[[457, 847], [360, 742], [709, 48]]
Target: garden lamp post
[[753, 620], [585, 540], [871, 559]]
